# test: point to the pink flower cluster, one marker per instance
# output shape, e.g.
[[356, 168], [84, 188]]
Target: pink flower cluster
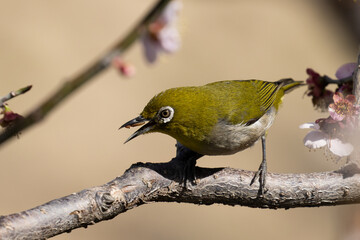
[[338, 130], [322, 97]]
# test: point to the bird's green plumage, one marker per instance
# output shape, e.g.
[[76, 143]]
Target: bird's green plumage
[[219, 118], [197, 110]]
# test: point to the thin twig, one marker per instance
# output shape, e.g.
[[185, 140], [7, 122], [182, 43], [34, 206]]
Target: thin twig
[[13, 94], [85, 76], [329, 80]]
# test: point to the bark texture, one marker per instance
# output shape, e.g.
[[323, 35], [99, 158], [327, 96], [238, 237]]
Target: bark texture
[[159, 182]]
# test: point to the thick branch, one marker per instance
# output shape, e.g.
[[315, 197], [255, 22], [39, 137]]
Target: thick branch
[[85, 76], [158, 182]]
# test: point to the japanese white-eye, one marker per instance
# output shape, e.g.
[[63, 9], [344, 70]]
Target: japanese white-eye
[[219, 118]]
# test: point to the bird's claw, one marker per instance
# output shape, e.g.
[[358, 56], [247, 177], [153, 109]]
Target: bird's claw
[[261, 175], [188, 175], [188, 158]]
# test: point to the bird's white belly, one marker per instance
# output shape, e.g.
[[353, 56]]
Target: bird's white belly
[[228, 139]]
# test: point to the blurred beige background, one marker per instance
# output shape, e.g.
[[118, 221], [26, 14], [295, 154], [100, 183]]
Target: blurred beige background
[[78, 146]]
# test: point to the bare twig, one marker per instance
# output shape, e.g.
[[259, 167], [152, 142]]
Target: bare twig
[[89, 73], [159, 182], [329, 80], [13, 94]]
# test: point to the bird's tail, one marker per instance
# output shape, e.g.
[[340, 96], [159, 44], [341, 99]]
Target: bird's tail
[[289, 84]]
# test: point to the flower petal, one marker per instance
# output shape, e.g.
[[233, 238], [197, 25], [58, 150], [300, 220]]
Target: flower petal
[[170, 13], [351, 98], [151, 48], [338, 97], [345, 70], [169, 39], [334, 115], [315, 139], [340, 148], [310, 125]]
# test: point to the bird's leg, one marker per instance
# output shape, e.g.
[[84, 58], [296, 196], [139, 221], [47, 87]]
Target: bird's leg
[[189, 171], [261, 173], [188, 159]]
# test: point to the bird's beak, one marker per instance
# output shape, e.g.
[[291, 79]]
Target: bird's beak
[[137, 122]]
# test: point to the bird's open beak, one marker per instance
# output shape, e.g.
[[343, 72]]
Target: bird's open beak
[[137, 122]]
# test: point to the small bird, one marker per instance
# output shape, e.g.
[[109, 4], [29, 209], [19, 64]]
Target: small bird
[[219, 118]]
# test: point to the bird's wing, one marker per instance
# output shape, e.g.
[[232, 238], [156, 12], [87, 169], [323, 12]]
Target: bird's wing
[[254, 99], [267, 93]]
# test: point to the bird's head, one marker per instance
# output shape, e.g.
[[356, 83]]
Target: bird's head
[[161, 114], [187, 114]]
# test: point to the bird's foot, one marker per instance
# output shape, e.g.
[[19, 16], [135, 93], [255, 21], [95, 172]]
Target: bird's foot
[[261, 175], [187, 171]]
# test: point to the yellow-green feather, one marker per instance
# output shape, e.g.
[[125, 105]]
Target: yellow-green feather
[[198, 109]]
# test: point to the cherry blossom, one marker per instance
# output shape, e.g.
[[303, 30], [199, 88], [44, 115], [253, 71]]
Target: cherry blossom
[[123, 67], [343, 107], [318, 139], [162, 35], [345, 70], [321, 97], [336, 131]]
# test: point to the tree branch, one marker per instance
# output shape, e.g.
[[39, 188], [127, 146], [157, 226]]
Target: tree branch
[[159, 182], [83, 77]]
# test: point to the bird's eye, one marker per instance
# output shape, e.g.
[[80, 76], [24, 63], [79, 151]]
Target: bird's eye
[[166, 114]]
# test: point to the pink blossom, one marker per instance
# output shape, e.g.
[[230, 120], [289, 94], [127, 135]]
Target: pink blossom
[[343, 107], [321, 97], [336, 131], [345, 70], [162, 35], [123, 67], [318, 139], [9, 117]]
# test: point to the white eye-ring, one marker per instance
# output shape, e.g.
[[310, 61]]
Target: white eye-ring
[[166, 114]]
